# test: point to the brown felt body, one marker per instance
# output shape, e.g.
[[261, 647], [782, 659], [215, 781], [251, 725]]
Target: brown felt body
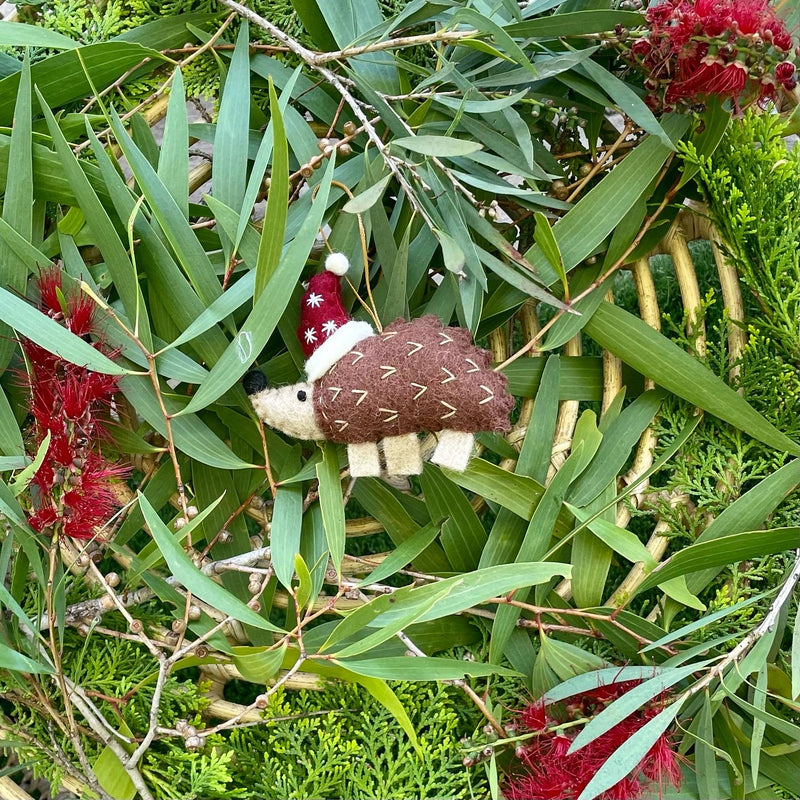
[[414, 376]]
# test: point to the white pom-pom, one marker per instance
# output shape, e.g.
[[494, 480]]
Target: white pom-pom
[[337, 263]]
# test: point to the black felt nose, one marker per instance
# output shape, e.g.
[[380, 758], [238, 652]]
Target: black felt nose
[[254, 381]]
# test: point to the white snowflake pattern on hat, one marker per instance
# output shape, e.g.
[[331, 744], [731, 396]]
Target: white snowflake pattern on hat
[[311, 335], [314, 300], [329, 327]]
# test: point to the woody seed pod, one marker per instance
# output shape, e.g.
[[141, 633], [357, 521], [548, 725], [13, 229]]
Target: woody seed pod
[[112, 579], [349, 128], [195, 613], [136, 626]]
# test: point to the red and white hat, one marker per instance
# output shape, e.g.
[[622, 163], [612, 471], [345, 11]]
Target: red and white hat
[[326, 331]]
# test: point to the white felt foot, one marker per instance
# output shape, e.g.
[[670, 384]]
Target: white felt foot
[[364, 460], [402, 454], [453, 450]]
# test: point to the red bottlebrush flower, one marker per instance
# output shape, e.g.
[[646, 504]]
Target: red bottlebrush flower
[[72, 492], [534, 717], [545, 769], [701, 48], [784, 72], [661, 765]]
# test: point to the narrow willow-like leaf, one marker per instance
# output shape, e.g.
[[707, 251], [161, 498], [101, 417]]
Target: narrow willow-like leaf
[[173, 161], [10, 435], [437, 145], [192, 578], [54, 338], [287, 520], [600, 677], [274, 223], [656, 357], [463, 536], [549, 247], [795, 658], [18, 662], [330, 501], [704, 752], [262, 158], [465, 591], [567, 659], [229, 168], [18, 199], [574, 23], [21, 34], [422, 668], [364, 201], [760, 723], [258, 664], [625, 758], [625, 97], [403, 555], [725, 550]]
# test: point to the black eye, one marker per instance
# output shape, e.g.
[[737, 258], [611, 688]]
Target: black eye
[[301, 396]]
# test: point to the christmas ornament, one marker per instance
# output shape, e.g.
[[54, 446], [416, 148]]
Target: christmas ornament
[[364, 387]]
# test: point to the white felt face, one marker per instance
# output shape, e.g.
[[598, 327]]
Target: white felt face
[[289, 409]]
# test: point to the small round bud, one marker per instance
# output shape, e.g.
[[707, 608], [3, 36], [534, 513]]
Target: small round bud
[[136, 626], [349, 128], [584, 170], [83, 560], [261, 701], [519, 751], [225, 537], [254, 587], [191, 512], [323, 144], [195, 613], [179, 523], [254, 604], [194, 742], [178, 625], [306, 170], [112, 579], [345, 150], [326, 153]]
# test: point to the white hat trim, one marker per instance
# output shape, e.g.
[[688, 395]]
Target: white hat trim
[[338, 344]]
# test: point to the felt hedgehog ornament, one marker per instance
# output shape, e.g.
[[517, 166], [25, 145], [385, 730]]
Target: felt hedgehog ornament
[[363, 387]]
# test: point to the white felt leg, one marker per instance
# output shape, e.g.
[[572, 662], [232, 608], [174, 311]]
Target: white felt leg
[[453, 450], [402, 454], [364, 460]]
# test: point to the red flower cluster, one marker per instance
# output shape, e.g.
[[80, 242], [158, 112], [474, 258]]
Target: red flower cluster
[[546, 771], [73, 487], [738, 49]]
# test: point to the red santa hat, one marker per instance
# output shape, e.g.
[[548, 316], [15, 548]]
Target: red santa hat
[[326, 330]]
